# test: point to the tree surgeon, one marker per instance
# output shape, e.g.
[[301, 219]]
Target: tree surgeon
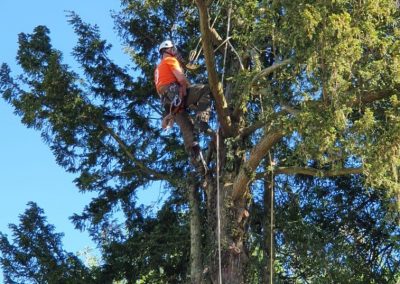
[[178, 96]]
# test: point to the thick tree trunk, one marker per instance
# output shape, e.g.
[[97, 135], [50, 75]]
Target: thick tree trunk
[[196, 266], [233, 253]]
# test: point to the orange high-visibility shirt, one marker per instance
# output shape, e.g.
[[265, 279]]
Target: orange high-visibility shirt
[[163, 74]]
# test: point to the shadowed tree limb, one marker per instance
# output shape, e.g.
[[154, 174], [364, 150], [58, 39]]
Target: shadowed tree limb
[[371, 96], [312, 172]]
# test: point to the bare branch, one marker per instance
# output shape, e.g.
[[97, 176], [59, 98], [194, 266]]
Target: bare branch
[[252, 128], [266, 122], [215, 37], [237, 55]]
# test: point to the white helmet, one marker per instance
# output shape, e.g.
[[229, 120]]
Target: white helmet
[[166, 44]]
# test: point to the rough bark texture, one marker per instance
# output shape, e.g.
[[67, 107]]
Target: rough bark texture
[[233, 252], [196, 266]]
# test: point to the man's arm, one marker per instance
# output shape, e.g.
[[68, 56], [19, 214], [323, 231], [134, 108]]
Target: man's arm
[[182, 80]]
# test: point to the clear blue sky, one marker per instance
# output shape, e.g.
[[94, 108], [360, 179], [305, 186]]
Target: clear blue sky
[[28, 170]]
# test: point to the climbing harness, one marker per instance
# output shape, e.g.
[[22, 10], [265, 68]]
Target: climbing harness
[[176, 106]]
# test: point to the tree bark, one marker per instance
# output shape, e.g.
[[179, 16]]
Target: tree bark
[[259, 151], [196, 266], [233, 220], [209, 56]]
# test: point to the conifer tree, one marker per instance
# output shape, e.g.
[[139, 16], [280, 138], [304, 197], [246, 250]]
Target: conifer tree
[[35, 254]]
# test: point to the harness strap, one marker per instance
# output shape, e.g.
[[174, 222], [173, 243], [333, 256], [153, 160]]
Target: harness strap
[[176, 106]]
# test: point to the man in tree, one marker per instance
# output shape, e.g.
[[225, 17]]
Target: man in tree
[[176, 95]]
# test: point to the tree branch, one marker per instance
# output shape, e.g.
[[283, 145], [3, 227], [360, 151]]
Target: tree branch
[[216, 39], [369, 97], [265, 122], [313, 172], [215, 85], [252, 128], [269, 70], [128, 153], [259, 151], [265, 72]]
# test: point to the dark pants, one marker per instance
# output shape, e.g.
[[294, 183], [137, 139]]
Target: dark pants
[[197, 99]]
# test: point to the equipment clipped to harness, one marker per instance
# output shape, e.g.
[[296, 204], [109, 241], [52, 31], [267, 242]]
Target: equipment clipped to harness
[[176, 107], [176, 102]]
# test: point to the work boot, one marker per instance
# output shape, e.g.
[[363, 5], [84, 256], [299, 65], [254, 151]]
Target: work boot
[[198, 159]]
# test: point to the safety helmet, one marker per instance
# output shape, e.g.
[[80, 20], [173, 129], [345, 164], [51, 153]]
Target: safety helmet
[[165, 44]]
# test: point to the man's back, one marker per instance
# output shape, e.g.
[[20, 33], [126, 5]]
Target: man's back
[[163, 74]]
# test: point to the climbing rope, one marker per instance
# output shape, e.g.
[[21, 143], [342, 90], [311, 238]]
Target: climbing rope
[[218, 213], [228, 27], [271, 221]]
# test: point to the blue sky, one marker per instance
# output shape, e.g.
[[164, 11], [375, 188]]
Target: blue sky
[[28, 170]]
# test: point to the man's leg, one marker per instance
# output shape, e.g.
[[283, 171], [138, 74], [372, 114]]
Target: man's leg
[[186, 125], [198, 99], [191, 145]]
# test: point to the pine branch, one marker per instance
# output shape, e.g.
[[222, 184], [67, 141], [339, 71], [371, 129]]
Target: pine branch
[[138, 163]]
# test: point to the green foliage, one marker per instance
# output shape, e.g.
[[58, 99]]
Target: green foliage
[[339, 232], [328, 231], [156, 249], [35, 254]]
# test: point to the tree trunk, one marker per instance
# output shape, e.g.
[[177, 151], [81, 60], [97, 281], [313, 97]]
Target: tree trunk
[[231, 234], [196, 266]]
